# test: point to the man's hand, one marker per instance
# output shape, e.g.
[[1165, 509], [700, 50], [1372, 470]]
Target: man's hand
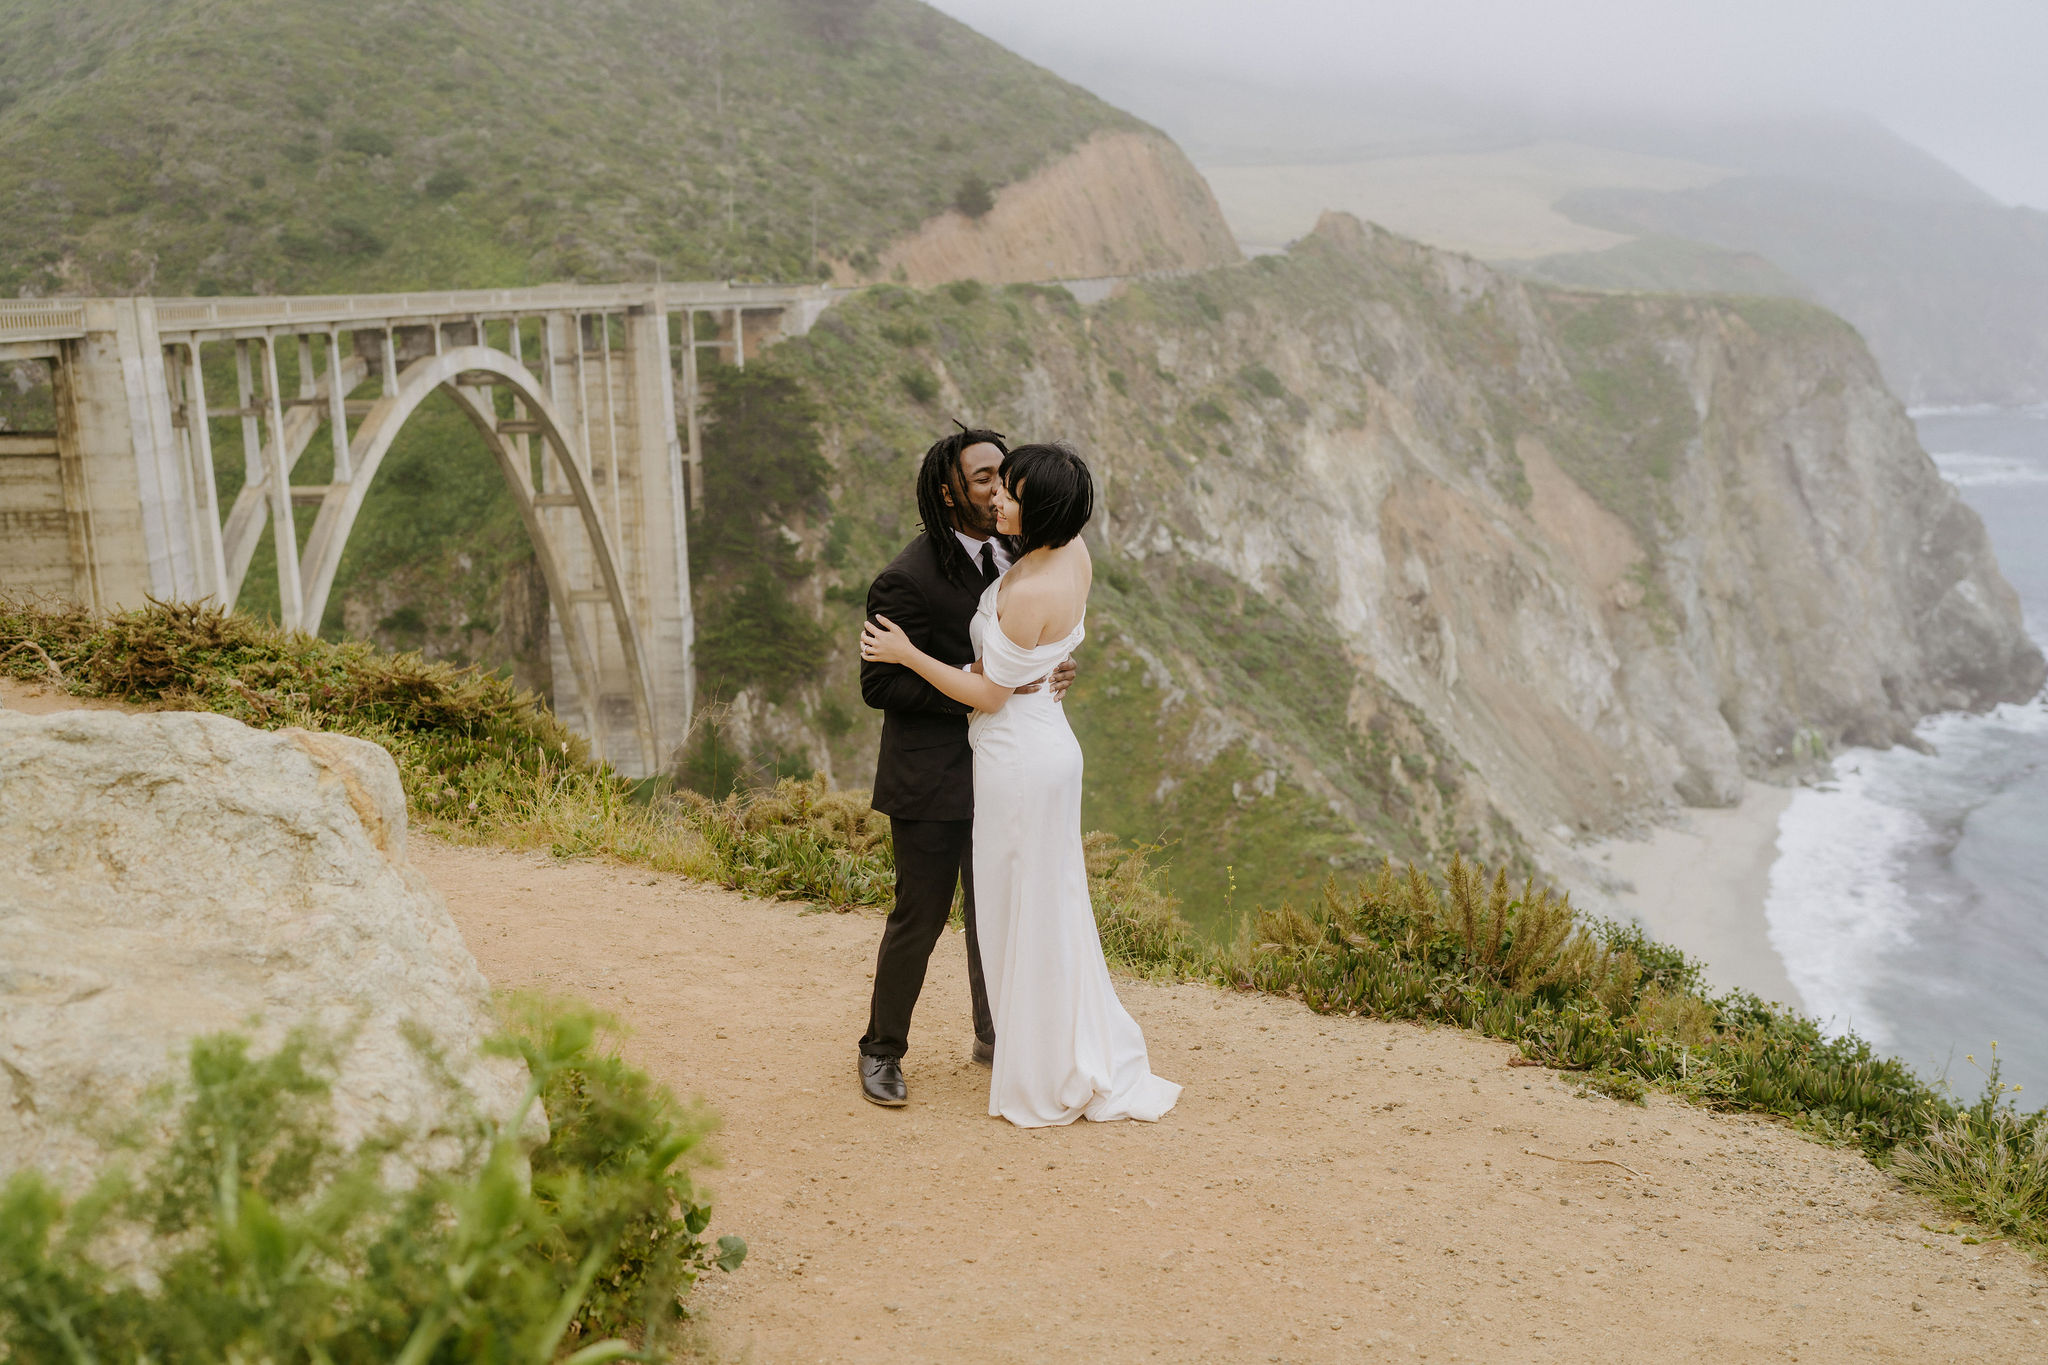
[[1062, 679]]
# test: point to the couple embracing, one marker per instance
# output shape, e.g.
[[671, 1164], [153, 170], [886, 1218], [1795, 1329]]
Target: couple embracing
[[966, 652]]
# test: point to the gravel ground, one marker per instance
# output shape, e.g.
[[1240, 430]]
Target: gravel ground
[[1327, 1189]]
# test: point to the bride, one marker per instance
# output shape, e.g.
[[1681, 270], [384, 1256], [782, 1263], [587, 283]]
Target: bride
[[1065, 1047]]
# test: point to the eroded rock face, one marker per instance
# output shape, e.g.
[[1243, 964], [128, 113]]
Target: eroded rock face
[[1619, 552], [168, 875], [1119, 204]]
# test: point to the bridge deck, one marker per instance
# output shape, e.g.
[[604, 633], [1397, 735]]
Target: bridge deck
[[42, 320]]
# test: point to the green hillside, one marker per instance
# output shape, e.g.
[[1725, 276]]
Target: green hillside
[[217, 146], [207, 146]]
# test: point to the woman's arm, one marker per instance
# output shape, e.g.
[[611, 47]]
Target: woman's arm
[[883, 641], [889, 687]]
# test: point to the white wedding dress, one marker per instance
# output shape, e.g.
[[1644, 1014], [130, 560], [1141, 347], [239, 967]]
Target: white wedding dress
[[1065, 1046]]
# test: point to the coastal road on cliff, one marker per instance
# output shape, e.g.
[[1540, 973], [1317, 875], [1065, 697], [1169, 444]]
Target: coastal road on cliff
[[1328, 1189]]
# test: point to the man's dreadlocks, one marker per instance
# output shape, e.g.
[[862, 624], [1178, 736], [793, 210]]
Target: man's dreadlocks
[[937, 476]]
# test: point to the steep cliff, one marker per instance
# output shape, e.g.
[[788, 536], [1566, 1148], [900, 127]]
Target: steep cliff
[[1399, 553], [1119, 204]]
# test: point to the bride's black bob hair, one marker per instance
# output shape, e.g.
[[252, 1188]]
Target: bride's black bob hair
[[1059, 495]]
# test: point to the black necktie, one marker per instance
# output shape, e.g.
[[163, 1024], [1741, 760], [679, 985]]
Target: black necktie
[[988, 563]]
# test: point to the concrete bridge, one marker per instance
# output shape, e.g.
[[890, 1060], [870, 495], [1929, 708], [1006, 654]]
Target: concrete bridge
[[576, 391]]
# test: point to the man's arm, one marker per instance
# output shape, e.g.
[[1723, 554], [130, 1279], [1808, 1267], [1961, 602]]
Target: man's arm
[[892, 687]]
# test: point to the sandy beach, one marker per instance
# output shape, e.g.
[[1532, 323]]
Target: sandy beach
[[1700, 885]]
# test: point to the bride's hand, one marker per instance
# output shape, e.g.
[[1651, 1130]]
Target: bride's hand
[[882, 641]]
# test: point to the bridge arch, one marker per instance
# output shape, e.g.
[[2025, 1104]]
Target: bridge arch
[[123, 497], [467, 373]]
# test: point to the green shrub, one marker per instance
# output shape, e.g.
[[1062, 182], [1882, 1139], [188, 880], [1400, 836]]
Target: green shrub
[[478, 758], [919, 383], [270, 1242], [754, 636], [799, 840], [366, 141], [974, 197], [446, 183], [1988, 1161], [1262, 381], [356, 239], [1138, 918], [907, 334]]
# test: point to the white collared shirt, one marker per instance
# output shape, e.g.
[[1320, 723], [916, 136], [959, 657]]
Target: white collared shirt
[[973, 548]]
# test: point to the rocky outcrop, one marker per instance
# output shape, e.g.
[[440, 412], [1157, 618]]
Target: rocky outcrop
[[1409, 553], [168, 875], [1122, 203], [1620, 550]]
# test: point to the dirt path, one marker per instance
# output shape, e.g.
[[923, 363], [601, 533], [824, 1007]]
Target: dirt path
[[1328, 1189]]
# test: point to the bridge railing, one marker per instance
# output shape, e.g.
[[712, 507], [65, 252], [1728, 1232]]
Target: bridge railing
[[224, 314], [63, 319], [41, 319]]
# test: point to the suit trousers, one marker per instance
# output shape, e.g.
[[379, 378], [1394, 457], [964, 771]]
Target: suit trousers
[[932, 857]]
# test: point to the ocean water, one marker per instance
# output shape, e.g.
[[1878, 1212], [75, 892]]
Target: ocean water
[[1909, 898]]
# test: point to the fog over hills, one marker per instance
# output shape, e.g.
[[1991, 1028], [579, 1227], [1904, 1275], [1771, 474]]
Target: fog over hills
[[1744, 152]]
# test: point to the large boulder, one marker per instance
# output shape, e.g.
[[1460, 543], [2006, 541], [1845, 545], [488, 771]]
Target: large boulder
[[168, 875]]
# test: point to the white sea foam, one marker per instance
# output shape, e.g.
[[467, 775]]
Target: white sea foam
[[1952, 410], [1976, 410], [1968, 469], [1837, 905], [1840, 911], [1966, 727]]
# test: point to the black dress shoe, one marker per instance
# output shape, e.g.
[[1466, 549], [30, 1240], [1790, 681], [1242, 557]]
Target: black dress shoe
[[881, 1080], [984, 1053]]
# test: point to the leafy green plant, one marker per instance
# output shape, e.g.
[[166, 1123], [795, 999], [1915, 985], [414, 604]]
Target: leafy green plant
[[755, 636], [1989, 1161], [1262, 381], [799, 840], [974, 197], [267, 1241], [366, 141], [446, 183]]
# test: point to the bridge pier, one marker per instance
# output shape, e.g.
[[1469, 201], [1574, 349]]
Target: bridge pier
[[101, 510], [117, 503]]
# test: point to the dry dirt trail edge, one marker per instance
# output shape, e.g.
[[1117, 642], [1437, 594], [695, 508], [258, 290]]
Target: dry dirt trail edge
[[1327, 1189]]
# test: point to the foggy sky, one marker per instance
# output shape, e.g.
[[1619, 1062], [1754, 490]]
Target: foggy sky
[[1963, 79]]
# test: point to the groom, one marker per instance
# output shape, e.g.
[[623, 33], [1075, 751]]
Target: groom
[[924, 776]]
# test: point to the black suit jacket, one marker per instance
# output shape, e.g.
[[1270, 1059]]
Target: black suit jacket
[[925, 770]]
